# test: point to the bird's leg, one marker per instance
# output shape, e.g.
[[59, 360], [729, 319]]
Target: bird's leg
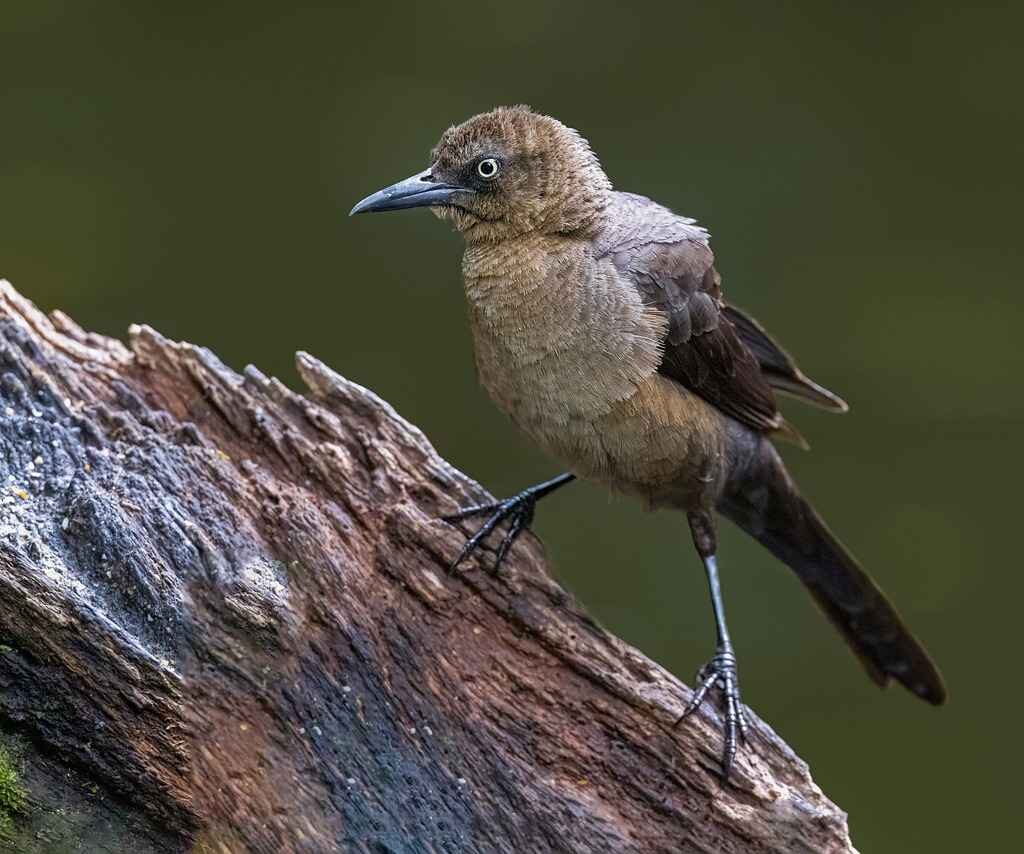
[[720, 671], [519, 509]]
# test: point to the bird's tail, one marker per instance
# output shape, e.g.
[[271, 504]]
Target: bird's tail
[[766, 504]]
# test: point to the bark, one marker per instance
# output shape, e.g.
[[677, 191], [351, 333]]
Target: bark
[[225, 605]]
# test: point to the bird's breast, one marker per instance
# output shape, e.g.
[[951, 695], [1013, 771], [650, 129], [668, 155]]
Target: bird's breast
[[560, 341]]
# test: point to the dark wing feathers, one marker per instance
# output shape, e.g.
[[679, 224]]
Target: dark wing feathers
[[675, 272], [712, 349], [778, 366]]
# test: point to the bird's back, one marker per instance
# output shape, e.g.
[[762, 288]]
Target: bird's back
[[631, 221]]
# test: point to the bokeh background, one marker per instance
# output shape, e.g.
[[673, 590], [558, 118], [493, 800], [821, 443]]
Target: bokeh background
[[860, 169]]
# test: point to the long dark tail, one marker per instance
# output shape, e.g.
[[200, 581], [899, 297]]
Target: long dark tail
[[764, 502]]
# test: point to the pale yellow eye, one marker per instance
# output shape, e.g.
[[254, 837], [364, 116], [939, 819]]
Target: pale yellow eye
[[488, 168]]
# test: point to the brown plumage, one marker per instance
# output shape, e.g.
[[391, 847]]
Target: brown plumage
[[600, 327]]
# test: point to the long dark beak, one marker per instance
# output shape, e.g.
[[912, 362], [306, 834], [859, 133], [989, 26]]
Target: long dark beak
[[415, 192]]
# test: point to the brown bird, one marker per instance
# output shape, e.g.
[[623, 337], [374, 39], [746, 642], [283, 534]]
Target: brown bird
[[600, 328]]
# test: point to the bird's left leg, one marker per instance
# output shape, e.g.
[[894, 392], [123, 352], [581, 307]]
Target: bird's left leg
[[519, 509], [720, 671]]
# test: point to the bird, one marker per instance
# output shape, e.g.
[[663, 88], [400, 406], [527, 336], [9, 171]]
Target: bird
[[600, 327]]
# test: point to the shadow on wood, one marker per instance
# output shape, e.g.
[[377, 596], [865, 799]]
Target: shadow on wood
[[226, 605]]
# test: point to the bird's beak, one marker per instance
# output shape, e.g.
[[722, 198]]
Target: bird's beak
[[419, 191]]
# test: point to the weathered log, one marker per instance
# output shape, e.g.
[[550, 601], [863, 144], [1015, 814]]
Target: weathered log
[[226, 606]]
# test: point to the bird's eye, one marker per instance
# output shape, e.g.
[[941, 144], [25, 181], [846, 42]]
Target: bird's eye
[[487, 168]]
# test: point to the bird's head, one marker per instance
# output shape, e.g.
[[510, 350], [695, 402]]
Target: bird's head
[[504, 173]]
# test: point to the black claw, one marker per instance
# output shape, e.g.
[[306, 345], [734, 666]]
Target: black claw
[[721, 672], [520, 509]]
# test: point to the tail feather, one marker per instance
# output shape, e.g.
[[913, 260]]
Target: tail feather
[[765, 503]]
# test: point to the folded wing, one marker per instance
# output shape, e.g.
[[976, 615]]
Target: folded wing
[[711, 348]]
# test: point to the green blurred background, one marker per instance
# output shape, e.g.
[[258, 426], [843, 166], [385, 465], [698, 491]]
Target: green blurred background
[[860, 169]]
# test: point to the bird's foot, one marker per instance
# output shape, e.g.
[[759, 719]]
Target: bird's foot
[[720, 672], [519, 509]]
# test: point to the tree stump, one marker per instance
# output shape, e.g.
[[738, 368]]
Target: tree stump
[[225, 609]]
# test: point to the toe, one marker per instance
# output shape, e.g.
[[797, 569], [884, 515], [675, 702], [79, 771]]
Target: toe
[[698, 696], [472, 510]]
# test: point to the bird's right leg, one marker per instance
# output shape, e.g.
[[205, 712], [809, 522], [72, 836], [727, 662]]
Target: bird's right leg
[[720, 671], [519, 509]]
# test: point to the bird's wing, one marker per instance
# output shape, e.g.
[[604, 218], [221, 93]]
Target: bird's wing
[[668, 259], [778, 367]]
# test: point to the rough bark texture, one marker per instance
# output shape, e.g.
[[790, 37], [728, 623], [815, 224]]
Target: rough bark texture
[[225, 605]]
